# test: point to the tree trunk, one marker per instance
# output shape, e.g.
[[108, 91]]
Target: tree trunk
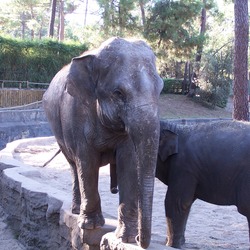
[[141, 3], [195, 73], [23, 25], [240, 88], [32, 33], [52, 18], [61, 30], [202, 31], [86, 13], [121, 13], [185, 80]]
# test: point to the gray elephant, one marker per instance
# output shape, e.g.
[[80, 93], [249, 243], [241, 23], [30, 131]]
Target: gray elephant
[[208, 161], [103, 108]]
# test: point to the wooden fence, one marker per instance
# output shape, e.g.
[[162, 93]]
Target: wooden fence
[[18, 97], [18, 93]]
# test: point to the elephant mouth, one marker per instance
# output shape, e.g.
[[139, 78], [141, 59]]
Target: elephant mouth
[[142, 105]]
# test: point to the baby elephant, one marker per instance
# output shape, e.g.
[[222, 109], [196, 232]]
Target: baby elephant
[[208, 161]]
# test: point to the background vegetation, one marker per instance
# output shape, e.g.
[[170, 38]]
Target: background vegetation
[[193, 39], [36, 61]]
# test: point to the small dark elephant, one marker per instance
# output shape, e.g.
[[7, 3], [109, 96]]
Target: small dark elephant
[[103, 108], [208, 161]]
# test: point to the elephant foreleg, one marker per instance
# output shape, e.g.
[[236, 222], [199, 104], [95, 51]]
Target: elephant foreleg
[[90, 212], [128, 197]]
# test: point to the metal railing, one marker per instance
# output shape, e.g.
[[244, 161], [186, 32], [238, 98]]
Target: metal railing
[[22, 84]]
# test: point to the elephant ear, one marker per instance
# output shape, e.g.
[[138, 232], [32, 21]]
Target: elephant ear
[[168, 144], [80, 80]]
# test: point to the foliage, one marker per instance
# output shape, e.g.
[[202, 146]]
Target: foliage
[[171, 24], [216, 77], [172, 85], [36, 61], [118, 17], [170, 27], [25, 18]]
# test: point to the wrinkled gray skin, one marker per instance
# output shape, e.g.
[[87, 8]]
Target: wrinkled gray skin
[[209, 161], [103, 108]]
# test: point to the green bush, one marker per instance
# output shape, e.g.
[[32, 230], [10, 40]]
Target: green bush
[[172, 85], [216, 78], [212, 95], [35, 61]]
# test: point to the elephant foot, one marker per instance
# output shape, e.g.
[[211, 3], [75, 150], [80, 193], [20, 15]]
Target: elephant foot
[[75, 209], [176, 243], [125, 234], [92, 221]]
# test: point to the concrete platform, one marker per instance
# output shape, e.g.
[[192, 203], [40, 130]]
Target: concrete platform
[[37, 201]]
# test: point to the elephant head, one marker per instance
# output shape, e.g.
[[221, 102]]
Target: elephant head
[[123, 88]]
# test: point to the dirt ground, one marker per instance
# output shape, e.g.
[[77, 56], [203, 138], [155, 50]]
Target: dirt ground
[[180, 106]]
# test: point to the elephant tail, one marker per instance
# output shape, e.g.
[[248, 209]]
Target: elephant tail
[[46, 163], [113, 179]]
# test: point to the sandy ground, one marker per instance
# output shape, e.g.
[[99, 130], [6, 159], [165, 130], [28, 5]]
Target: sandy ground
[[209, 226]]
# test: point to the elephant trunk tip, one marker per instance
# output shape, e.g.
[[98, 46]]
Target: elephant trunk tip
[[142, 241]]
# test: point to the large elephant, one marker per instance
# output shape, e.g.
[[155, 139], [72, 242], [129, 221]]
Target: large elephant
[[103, 108], [209, 161]]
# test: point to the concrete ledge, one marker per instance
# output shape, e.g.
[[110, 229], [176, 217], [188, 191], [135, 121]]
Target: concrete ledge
[[40, 217], [110, 242], [191, 121], [40, 214]]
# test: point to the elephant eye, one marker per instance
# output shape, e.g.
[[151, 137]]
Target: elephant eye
[[119, 94]]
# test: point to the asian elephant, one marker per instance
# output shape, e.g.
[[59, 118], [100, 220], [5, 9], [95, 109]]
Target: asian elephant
[[208, 161], [103, 108]]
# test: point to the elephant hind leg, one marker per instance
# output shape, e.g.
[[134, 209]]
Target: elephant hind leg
[[244, 200], [248, 219], [76, 195], [178, 202], [176, 224]]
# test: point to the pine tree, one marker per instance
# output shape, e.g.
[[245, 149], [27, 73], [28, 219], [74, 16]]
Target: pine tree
[[240, 87], [52, 18]]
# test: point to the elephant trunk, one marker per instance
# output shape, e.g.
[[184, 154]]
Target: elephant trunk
[[146, 141]]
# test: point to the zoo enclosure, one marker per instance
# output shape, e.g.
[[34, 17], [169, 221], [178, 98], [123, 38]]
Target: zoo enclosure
[[18, 93]]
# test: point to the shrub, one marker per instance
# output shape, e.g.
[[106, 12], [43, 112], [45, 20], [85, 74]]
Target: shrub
[[36, 61], [214, 95], [216, 78], [172, 86]]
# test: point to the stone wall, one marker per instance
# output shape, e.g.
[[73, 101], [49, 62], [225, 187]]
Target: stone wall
[[19, 124], [40, 217]]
